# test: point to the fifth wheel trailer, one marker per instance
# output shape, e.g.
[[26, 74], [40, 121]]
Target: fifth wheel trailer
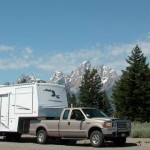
[[24, 102]]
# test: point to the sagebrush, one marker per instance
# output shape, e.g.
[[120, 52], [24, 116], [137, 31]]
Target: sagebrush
[[140, 130]]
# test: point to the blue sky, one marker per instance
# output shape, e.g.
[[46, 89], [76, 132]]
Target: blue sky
[[42, 36]]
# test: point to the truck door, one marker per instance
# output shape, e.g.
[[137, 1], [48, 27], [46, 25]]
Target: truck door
[[73, 126], [63, 124], [4, 111], [77, 124]]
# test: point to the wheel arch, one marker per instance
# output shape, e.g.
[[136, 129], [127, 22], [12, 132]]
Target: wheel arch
[[40, 128], [93, 129]]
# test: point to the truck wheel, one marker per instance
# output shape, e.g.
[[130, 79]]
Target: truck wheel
[[120, 141], [42, 137], [96, 139]]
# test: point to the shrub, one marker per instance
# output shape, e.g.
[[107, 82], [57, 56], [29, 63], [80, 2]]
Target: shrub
[[140, 130]]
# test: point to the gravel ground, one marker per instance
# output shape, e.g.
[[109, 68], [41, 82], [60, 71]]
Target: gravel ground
[[29, 143], [139, 141]]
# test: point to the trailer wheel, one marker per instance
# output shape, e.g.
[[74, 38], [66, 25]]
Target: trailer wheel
[[42, 137], [96, 139]]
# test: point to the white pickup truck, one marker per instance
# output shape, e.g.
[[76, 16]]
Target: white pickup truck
[[78, 123]]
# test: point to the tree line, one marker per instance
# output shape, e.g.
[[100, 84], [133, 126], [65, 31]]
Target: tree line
[[131, 93]]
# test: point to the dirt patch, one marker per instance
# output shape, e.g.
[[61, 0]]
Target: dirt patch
[[139, 141]]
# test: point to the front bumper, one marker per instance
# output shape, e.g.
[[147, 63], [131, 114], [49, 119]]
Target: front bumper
[[120, 128], [115, 133]]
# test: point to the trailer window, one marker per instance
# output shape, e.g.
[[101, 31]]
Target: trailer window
[[65, 116]]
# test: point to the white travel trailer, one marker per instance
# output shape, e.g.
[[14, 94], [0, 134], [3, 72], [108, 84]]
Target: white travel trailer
[[24, 102]]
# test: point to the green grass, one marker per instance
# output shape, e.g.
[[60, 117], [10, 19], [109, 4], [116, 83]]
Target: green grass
[[140, 130]]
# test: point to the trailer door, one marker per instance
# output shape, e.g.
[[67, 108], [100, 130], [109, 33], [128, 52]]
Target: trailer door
[[4, 111], [24, 100]]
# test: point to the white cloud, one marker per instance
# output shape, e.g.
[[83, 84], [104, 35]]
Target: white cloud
[[14, 58], [5, 48], [13, 63], [69, 60], [118, 54], [118, 50], [27, 52], [112, 55]]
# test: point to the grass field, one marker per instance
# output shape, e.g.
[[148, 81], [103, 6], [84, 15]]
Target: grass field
[[140, 130]]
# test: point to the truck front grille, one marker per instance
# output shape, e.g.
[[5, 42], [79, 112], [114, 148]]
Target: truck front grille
[[120, 125]]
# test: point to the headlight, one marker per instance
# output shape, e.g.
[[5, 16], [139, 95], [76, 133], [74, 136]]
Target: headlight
[[107, 124]]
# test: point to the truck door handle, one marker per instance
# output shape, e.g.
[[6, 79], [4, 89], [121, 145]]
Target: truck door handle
[[69, 123]]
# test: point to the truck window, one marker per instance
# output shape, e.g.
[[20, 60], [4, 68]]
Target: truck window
[[77, 114], [65, 116]]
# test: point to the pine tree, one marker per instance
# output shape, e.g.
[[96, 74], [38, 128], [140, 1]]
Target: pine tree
[[69, 99], [107, 107], [131, 94], [91, 94], [72, 100]]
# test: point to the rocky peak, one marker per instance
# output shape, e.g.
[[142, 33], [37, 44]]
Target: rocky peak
[[27, 79], [58, 77], [72, 82]]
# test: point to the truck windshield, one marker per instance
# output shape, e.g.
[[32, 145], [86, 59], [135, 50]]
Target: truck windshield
[[93, 113]]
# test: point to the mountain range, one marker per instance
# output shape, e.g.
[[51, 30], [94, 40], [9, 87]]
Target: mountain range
[[73, 80]]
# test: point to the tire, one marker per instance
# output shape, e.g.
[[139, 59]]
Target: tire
[[96, 139], [42, 137], [120, 141]]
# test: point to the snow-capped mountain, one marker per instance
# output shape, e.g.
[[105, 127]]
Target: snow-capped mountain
[[58, 78], [73, 81], [27, 79]]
